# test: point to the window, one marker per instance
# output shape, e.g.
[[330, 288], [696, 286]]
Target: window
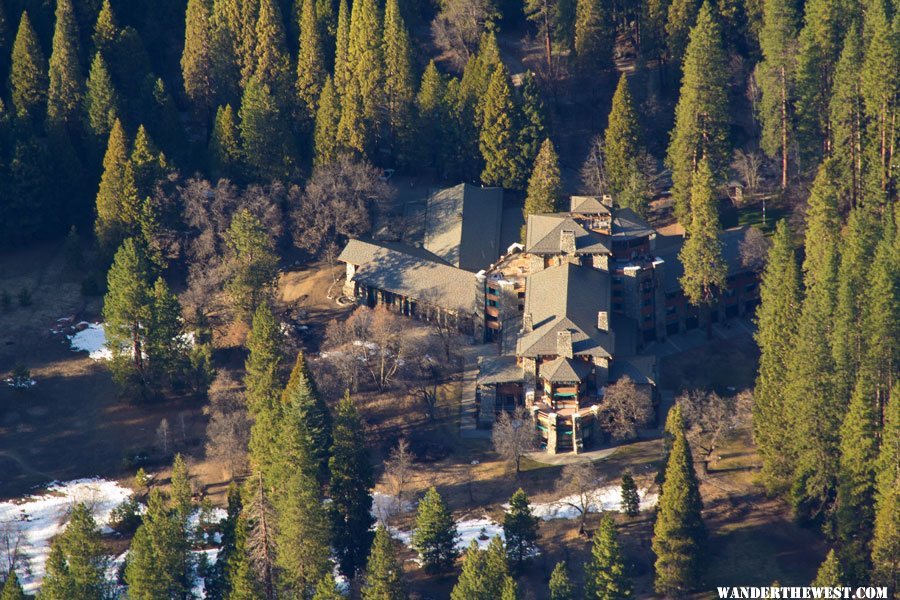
[[492, 291], [617, 280], [493, 303], [491, 319]]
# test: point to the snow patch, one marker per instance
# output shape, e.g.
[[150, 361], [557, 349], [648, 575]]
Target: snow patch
[[384, 506], [481, 530], [38, 519], [603, 499], [20, 384], [91, 339]]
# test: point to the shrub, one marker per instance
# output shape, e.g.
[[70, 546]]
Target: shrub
[[126, 518]]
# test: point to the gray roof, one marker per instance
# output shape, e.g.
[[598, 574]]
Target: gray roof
[[588, 205], [499, 369], [462, 225], [543, 233], [731, 252], [566, 297], [628, 224], [411, 272], [640, 369], [565, 370]]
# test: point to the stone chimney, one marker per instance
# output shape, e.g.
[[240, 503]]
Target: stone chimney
[[603, 320], [564, 343], [567, 241], [527, 323]]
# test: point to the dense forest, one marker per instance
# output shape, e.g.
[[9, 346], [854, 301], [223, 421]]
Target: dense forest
[[193, 146]]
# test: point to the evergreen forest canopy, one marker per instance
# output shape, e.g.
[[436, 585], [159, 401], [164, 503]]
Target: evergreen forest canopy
[[207, 132]]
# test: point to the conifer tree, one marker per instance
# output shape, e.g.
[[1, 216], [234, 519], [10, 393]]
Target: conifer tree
[[148, 163], [106, 31], [101, 100], [5, 41], [354, 133], [249, 10], [181, 489], [520, 529], [28, 73], [58, 583], [273, 63], [261, 526], [268, 145], [398, 78], [679, 533], [384, 575], [225, 44], [328, 118], [532, 131], [342, 48], [830, 574], [545, 185], [631, 501], [701, 115], [847, 115], [261, 377], [477, 75], [434, 537], [240, 582], [605, 574], [502, 164], [313, 436], [327, 589], [431, 115], [510, 590], [12, 589], [366, 60], [593, 37], [622, 140], [776, 76], [158, 564], [163, 120], [311, 71], [224, 146], [351, 483], [76, 568], [253, 263], [484, 573], [197, 57], [881, 323], [561, 587], [681, 18], [66, 83], [776, 320], [701, 255], [886, 540], [126, 307], [116, 208]]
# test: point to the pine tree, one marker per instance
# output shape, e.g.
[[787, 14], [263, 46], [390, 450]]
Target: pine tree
[[701, 115], [302, 403], [384, 575], [593, 37], [484, 573], [66, 83], [311, 71], [776, 320], [681, 17], [327, 589], [12, 589], [225, 50], [520, 529], [856, 482], [434, 537], [261, 526], [148, 163], [197, 57], [57, 583], [701, 255], [76, 569], [366, 60], [239, 577], [847, 115], [225, 146], [342, 48], [545, 185], [477, 75], [398, 78], [272, 60], [163, 120], [126, 308], [605, 574], [679, 533], [106, 31], [28, 74], [498, 139], [830, 572], [886, 539], [249, 10], [351, 484], [158, 564], [261, 378], [510, 590], [431, 116], [532, 131], [631, 501], [328, 118], [101, 100], [622, 140], [268, 144], [776, 77], [181, 489], [117, 209], [561, 587]]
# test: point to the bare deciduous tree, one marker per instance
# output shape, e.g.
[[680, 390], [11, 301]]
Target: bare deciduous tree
[[11, 538], [459, 25], [709, 417], [626, 407], [754, 249], [398, 471], [748, 166], [163, 436], [514, 436], [579, 486], [593, 172], [228, 430]]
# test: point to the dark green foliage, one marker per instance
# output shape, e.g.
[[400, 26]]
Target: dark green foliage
[[701, 255], [263, 386], [328, 117], [158, 564], [126, 310], [350, 485], [253, 262], [327, 589], [434, 537], [531, 129], [28, 75], [830, 572], [76, 567], [631, 501], [594, 33], [225, 158], [118, 205], [101, 100], [196, 59], [520, 529], [561, 587], [311, 70], [66, 81], [312, 433], [12, 589], [384, 575], [886, 541], [605, 575], [545, 185], [679, 534], [269, 148], [498, 139], [398, 80], [484, 573], [622, 149]]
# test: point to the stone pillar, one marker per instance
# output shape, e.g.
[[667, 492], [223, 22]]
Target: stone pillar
[[552, 443], [536, 263], [577, 443], [486, 409], [564, 343], [601, 371], [600, 262]]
